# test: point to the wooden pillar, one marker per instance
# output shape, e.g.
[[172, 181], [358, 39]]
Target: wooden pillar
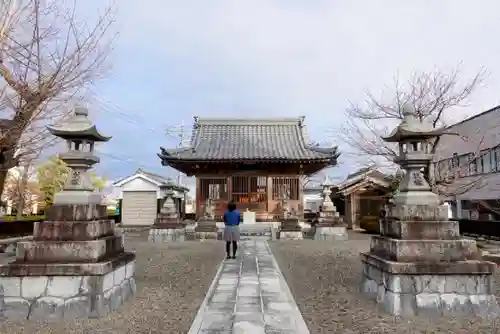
[[270, 202], [197, 198], [301, 197], [229, 182], [354, 210]]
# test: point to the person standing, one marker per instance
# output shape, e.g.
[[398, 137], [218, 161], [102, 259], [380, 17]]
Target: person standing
[[232, 221]]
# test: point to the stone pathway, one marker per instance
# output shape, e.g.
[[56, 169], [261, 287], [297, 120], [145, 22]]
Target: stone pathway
[[249, 295]]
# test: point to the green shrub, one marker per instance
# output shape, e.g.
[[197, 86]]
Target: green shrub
[[24, 218]]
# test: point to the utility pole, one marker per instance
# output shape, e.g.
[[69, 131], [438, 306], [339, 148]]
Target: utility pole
[[181, 144]]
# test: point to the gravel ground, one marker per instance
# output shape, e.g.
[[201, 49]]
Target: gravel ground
[[325, 281], [172, 280]]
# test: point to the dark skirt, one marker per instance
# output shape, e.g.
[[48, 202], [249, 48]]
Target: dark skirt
[[232, 233]]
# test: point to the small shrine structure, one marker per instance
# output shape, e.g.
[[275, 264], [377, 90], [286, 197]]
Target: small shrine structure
[[76, 265], [249, 162], [420, 264], [330, 225], [167, 226]]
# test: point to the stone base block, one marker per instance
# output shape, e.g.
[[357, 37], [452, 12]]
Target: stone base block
[[166, 235], [291, 235], [73, 230], [416, 212], [206, 235], [76, 212], [424, 250], [62, 297], [77, 197], [418, 230], [206, 226], [409, 294], [69, 251], [331, 233]]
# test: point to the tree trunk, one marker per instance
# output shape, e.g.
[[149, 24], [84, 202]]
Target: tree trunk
[[20, 193], [8, 162], [3, 178]]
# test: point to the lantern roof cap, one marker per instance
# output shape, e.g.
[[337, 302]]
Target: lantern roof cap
[[77, 126], [326, 182], [411, 127]]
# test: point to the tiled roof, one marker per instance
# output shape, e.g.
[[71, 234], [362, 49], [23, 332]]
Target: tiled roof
[[158, 178], [249, 139], [471, 135], [477, 187], [162, 180]]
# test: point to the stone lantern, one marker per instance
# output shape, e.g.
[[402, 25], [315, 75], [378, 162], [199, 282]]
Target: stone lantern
[[75, 265], [420, 263], [80, 135], [206, 227], [167, 225], [330, 225], [290, 228]]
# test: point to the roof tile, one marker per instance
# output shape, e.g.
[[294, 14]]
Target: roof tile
[[221, 139]]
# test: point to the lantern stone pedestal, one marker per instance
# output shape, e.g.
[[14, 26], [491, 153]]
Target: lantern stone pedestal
[[424, 266], [206, 229], [167, 226], [290, 229], [420, 264], [330, 225], [165, 230], [75, 266]]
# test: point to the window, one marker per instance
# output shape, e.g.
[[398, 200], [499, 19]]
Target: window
[[479, 164], [214, 189], [497, 158], [472, 164], [463, 169], [486, 162], [285, 188]]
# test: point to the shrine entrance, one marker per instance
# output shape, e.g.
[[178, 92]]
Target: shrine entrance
[[249, 193]]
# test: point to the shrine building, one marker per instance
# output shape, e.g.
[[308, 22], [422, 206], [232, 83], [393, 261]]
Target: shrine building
[[256, 163]]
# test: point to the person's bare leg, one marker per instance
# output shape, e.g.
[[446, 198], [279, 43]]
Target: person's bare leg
[[235, 248], [228, 249]]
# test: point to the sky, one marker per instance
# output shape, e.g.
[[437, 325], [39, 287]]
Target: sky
[[175, 60]]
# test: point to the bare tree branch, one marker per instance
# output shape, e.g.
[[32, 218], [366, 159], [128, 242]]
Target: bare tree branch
[[48, 58]]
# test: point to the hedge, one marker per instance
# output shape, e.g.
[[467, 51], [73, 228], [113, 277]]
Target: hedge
[[24, 218]]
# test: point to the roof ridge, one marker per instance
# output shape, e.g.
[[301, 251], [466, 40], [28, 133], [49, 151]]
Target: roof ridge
[[244, 120], [143, 171], [470, 118]]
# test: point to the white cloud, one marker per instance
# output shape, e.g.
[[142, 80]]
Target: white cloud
[[311, 57]]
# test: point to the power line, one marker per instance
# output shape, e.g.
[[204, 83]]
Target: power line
[[131, 117]]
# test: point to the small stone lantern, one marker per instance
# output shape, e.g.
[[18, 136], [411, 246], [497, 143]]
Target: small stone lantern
[[330, 225], [290, 228], [420, 264], [80, 135], [206, 227], [167, 226]]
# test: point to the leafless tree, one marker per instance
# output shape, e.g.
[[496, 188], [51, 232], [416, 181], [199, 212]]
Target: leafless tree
[[48, 57], [433, 96]]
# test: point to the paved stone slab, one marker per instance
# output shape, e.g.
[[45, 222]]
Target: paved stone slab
[[249, 295]]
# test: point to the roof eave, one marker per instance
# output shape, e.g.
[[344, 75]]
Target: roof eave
[[87, 133], [400, 135]]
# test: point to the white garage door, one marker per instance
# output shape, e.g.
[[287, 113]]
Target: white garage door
[[139, 207]]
